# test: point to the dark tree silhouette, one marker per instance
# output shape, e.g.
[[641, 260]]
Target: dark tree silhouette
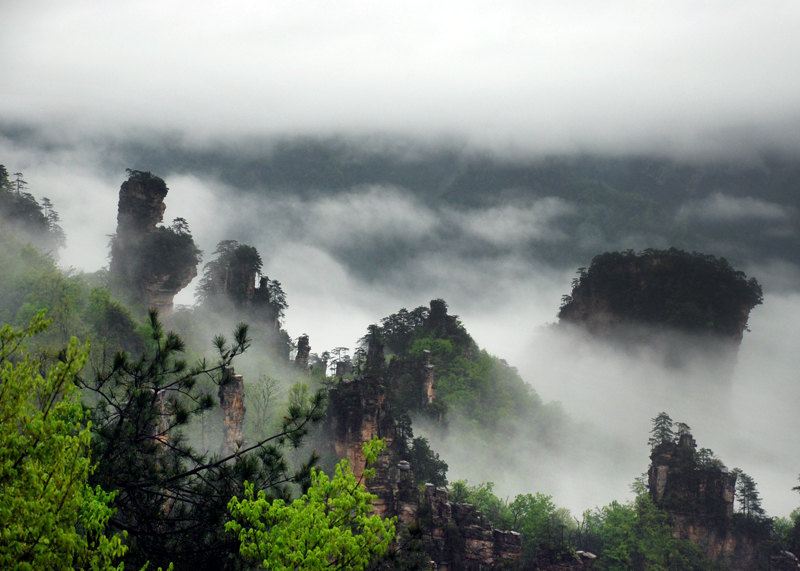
[[662, 430]]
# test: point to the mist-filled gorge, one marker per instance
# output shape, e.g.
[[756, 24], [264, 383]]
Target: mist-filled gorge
[[400, 287]]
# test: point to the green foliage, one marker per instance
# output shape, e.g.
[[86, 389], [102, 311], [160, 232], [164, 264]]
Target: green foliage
[[467, 379], [637, 535], [689, 291], [546, 529], [427, 466], [232, 272], [166, 251], [50, 517], [482, 496], [785, 528], [331, 526]]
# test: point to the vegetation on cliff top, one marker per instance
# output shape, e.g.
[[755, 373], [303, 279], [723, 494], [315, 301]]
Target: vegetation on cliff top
[[467, 378], [693, 292]]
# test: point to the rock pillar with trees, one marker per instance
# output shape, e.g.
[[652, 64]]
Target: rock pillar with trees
[[150, 263]]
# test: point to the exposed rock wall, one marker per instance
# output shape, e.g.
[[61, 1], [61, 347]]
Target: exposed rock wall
[[456, 536], [460, 537], [358, 411], [428, 383], [687, 292], [700, 501], [161, 427], [231, 401]]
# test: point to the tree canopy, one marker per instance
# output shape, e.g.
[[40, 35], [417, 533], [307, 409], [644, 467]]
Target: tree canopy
[[693, 292], [331, 526], [50, 516]]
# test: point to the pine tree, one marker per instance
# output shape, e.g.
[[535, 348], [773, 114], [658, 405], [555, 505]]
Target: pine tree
[[747, 495], [171, 498], [662, 430], [18, 183]]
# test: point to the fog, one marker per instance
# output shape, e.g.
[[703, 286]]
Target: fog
[[749, 420]]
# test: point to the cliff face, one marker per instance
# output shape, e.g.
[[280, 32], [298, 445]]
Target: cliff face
[[699, 501], [150, 263], [358, 411], [455, 536], [460, 537]]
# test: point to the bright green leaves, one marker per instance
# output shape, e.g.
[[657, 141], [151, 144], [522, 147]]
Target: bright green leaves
[[49, 517], [638, 535], [331, 526]]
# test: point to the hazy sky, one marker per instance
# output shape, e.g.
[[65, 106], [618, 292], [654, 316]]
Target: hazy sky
[[679, 77]]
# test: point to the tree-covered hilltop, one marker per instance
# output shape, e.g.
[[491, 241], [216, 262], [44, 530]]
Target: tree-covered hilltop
[[690, 292], [34, 222], [436, 368], [233, 284]]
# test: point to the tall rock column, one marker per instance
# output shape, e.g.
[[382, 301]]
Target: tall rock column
[[231, 401], [699, 500], [303, 351], [150, 263], [428, 387]]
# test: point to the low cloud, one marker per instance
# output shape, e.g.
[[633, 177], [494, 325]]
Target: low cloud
[[516, 225], [679, 78], [723, 208]]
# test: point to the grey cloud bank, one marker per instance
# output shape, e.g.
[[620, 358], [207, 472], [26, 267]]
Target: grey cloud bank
[[679, 78]]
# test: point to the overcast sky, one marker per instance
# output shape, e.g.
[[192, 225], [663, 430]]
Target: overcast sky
[[679, 77]]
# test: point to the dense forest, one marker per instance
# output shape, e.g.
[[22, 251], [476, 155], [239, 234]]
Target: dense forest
[[136, 433]]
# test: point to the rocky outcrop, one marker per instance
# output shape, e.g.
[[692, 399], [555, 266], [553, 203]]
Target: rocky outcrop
[[428, 382], [455, 536], [686, 292], [460, 537], [699, 500], [358, 411], [150, 263], [303, 351], [231, 401]]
